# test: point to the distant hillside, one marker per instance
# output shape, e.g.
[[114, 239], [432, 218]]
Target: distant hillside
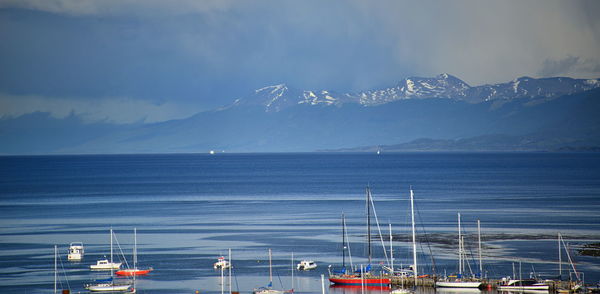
[[525, 114]]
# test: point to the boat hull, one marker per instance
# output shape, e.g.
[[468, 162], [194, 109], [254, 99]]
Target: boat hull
[[358, 281], [107, 288], [267, 291], [543, 287], [458, 284], [133, 272]]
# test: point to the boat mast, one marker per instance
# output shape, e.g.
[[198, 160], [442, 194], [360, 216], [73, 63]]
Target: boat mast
[[111, 249], [222, 280], [569, 258], [270, 270], [391, 251], [292, 272], [460, 265], [479, 240], [414, 240], [135, 249], [369, 222], [559, 259], [55, 267], [343, 241], [230, 270]]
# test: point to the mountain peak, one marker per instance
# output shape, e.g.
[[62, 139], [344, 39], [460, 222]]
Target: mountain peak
[[444, 86]]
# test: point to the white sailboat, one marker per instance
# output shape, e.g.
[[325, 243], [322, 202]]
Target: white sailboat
[[105, 264], [268, 289], [459, 282], [110, 285]]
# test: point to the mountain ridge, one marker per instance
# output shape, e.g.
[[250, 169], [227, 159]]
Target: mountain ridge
[[278, 97], [274, 121]]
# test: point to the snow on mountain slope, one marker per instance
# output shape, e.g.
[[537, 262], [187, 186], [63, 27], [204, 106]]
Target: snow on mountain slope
[[278, 97]]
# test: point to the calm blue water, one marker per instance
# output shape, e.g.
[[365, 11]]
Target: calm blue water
[[189, 209]]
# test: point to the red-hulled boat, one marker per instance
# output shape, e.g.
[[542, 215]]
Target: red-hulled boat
[[362, 278], [374, 281], [134, 272]]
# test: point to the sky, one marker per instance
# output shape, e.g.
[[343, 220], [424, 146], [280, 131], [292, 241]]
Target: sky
[[124, 61]]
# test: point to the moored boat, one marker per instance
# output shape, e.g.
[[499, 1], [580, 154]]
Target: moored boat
[[458, 284], [221, 263], [525, 284], [362, 277], [268, 289], [305, 265], [108, 286], [135, 271], [75, 251], [105, 264], [357, 280]]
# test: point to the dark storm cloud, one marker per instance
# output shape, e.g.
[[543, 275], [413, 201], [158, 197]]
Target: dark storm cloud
[[203, 54]]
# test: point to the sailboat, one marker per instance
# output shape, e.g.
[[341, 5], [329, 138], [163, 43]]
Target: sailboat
[[578, 283], [403, 290], [135, 271], [105, 264], [109, 284], [362, 277], [268, 289], [56, 273], [459, 282]]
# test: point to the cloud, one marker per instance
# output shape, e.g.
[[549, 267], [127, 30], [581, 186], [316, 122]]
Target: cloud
[[118, 110], [119, 7], [570, 65], [552, 67], [211, 52]]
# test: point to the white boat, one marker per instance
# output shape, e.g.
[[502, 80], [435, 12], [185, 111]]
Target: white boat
[[268, 289], [221, 263], [458, 284], [75, 251], [265, 290], [522, 285], [306, 265], [105, 264], [108, 287]]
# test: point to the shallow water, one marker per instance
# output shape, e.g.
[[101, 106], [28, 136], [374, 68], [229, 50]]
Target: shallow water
[[189, 209]]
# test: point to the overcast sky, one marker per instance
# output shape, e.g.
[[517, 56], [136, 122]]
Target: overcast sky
[[152, 60]]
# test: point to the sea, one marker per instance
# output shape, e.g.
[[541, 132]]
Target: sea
[[189, 209]]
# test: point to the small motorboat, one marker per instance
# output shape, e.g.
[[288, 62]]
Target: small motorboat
[[105, 264], [221, 263], [306, 265], [75, 251]]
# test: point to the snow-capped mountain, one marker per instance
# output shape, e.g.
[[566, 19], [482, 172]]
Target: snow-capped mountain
[[441, 86], [526, 87], [278, 97]]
